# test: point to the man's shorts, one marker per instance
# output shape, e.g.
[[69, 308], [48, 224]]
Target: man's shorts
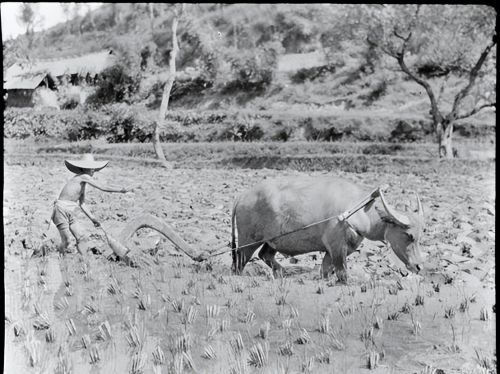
[[63, 215]]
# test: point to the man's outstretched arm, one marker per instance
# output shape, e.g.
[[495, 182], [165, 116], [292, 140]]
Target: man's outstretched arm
[[89, 180]]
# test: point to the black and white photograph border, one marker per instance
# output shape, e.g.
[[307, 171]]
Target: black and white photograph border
[[249, 188]]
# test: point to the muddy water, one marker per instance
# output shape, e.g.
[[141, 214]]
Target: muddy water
[[403, 350], [40, 279], [458, 242]]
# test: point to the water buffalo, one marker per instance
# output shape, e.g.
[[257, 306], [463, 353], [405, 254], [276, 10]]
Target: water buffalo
[[279, 206]]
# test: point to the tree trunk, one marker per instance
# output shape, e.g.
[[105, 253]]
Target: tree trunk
[[166, 93], [445, 140], [157, 144], [80, 24], [235, 35], [151, 17], [91, 18]]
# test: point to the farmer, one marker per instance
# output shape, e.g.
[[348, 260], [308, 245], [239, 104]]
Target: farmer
[[72, 196]]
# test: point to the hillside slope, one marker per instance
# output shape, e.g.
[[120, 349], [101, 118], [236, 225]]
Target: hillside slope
[[235, 49]]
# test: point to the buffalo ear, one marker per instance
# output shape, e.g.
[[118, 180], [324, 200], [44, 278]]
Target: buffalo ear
[[385, 217], [389, 219]]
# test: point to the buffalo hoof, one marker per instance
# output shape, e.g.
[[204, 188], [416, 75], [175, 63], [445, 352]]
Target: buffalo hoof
[[203, 256], [342, 277]]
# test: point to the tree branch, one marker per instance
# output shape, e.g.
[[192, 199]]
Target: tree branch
[[410, 32], [475, 110], [398, 35], [472, 79], [436, 114], [434, 107], [382, 47]]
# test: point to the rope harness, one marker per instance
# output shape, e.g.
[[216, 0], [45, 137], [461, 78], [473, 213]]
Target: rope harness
[[341, 218]]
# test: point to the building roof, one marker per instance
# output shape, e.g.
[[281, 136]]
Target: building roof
[[296, 61], [92, 63], [27, 82]]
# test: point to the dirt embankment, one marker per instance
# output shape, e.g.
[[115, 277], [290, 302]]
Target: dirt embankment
[[357, 157]]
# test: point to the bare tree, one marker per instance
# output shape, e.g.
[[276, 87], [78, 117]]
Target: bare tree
[[29, 18], [116, 14], [178, 11], [77, 7], [89, 15], [442, 123], [66, 9]]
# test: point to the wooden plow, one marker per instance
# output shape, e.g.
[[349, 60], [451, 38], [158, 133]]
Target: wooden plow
[[149, 221]]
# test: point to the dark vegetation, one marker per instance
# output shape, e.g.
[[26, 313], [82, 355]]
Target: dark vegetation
[[121, 123]]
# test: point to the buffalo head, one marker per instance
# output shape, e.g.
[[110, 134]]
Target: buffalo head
[[403, 233]]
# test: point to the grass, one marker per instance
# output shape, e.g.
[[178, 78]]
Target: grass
[[373, 359], [449, 312], [34, 351], [264, 330], [484, 314], [180, 151], [138, 363], [484, 361], [259, 355], [324, 325], [287, 340]]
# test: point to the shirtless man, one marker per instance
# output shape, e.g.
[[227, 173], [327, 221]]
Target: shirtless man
[[73, 196]]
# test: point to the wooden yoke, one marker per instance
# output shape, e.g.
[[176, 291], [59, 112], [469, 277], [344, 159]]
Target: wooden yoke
[[367, 200]]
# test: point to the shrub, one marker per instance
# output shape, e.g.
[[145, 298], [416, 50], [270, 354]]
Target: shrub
[[382, 149], [153, 94], [119, 123], [251, 70], [83, 125], [377, 91], [70, 103], [241, 132], [330, 133], [191, 87], [247, 75], [114, 85], [24, 123], [405, 132], [282, 135], [310, 74], [124, 125]]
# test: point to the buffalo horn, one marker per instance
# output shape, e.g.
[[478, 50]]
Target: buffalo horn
[[397, 217]]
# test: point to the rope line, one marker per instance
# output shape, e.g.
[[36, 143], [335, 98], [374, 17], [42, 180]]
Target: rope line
[[342, 217]]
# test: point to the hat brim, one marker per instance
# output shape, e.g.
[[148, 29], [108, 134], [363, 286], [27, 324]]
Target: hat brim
[[76, 166]]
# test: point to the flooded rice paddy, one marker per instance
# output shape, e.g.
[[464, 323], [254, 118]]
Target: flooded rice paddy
[[86, 314]]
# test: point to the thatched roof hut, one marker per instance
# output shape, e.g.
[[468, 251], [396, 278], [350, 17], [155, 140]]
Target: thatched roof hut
[[22, 79]]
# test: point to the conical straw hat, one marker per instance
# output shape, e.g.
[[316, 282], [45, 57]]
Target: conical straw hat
[[86, 162]]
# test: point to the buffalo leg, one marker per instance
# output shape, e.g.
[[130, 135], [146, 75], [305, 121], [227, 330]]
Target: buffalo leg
[[335, 240], [326, 266], [267, 254], [242, 256], [338, 259], [353, 241]]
